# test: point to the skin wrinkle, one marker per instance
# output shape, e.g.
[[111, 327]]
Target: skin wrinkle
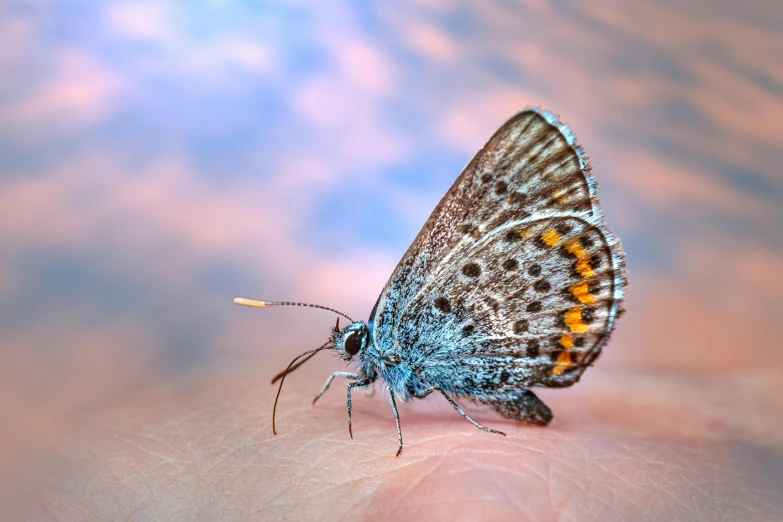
[[591, 484], [332, 486], [421, 478], [607, 472], [516, 503], [573, 485], [44, 505], [363, 499], [149, 500], [662, 488]]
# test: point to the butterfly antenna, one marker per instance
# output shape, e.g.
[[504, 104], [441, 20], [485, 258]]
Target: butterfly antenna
[[291, 369], [300, 363], [244, 301], [285, 372]]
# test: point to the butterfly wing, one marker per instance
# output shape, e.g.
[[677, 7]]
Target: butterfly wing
[[514, 280], [529, 304]]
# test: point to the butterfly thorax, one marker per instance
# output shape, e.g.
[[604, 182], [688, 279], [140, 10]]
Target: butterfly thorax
[[395, 368], [356, 344]]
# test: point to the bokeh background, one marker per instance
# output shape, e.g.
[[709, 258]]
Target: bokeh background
[[159, 158]]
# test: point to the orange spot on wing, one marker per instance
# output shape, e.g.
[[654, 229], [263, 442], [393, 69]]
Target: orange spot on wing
[[574, 246], [573, 319], [584, 268], [550, 237], [566, 341], [563, 362], [582, 292]]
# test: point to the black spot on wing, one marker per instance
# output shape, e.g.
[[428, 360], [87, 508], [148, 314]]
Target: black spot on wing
[[563, 228], [442, 304], [542, 285], [517, 198], [521, 326], [512, 236], [469, 229], [471, 269]]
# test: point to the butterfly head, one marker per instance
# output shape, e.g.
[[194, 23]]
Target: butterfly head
[[351, 340]]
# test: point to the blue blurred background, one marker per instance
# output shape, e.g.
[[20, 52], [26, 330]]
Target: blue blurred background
[[158, 158]]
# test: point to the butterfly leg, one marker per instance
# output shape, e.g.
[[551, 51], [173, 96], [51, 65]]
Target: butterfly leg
[[397, 419], [462, 412], [346, 375], [355, 384]]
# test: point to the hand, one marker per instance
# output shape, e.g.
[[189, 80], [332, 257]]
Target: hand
[[623, 446]]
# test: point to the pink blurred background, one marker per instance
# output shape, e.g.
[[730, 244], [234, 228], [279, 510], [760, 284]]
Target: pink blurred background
[[157, 159]]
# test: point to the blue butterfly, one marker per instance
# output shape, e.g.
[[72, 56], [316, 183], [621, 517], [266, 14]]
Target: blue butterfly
[[513, 282]]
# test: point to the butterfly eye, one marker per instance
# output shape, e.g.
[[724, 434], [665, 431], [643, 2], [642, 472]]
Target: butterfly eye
[[352, 343]]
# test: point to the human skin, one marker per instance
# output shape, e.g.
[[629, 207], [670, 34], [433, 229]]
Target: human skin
[[624, 445]]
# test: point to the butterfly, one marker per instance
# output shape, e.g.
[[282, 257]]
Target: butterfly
[[513, 282]]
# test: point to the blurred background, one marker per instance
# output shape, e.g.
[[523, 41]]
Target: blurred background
[[159, 158]]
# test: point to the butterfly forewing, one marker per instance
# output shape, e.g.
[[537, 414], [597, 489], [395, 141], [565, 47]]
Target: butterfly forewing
[[514, 278], [527, 167]]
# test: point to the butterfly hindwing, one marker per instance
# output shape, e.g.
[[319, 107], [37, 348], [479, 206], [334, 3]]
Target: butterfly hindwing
[[529, 304]]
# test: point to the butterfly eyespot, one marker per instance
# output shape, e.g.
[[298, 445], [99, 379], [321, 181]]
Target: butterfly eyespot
[[521, 326], [587, 315], [512, 236], [471, 270], [352, 343], [501, 187], [534, 307], [442, 304], [542, 285], [563, 229], [492, 303], [534, 270], [532, 348], [510, 264]]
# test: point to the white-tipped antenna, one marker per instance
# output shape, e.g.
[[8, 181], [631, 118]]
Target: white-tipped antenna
[[244, 301]]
